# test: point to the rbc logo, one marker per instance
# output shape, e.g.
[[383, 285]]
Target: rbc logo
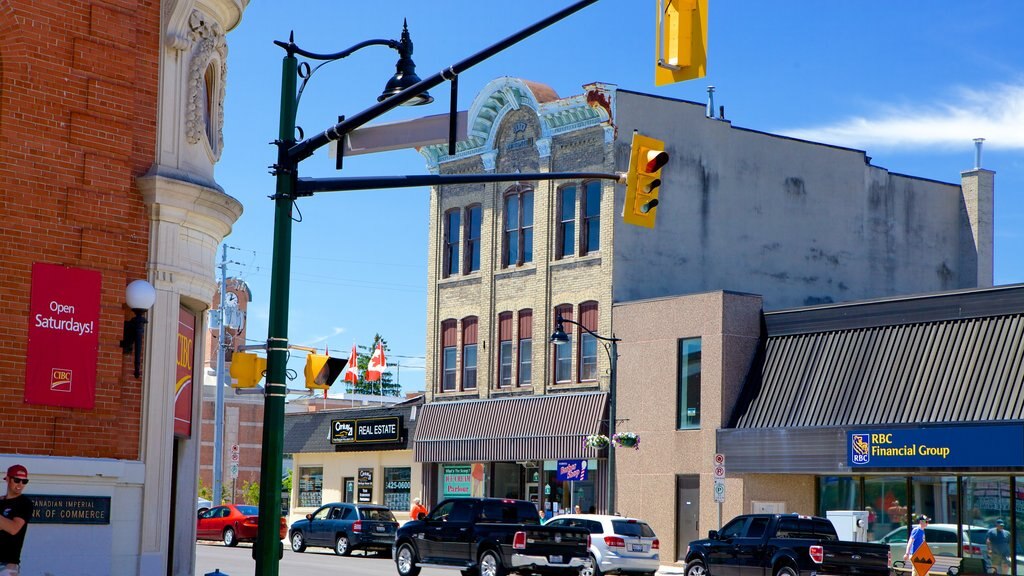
[[860, 448]]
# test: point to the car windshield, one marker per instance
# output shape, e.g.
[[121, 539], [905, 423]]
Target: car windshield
[[632, 528], [249, 510], [382, 514]]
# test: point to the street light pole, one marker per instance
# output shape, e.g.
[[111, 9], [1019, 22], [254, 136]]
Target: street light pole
[[559, 338]]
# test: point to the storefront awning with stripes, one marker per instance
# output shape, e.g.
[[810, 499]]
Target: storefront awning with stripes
[[512, 429]]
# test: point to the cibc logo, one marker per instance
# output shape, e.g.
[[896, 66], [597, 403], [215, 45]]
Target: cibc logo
[[860, 448], [60, 379]]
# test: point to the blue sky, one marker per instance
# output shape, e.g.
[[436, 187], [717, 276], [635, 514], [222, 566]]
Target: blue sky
[[911, 82]]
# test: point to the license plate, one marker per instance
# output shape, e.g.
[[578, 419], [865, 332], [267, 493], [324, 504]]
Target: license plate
[[556, 560], [381, 529], [637, 547]]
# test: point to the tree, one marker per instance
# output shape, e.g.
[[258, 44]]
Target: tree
[[251, 493], [386, 386]]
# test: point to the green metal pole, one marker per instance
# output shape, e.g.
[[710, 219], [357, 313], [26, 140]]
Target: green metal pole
[[614, 360], [268, 549]]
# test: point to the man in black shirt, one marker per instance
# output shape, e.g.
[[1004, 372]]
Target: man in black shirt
[[15, 512]]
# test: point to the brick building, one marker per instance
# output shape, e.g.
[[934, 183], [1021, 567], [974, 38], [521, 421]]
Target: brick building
[[797, 222], [111, 117]]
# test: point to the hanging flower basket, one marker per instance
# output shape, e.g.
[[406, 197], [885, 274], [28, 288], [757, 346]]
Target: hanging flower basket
[[627, 440], [597, 441]]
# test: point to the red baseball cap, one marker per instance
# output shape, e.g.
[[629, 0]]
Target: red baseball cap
[[17, 471]]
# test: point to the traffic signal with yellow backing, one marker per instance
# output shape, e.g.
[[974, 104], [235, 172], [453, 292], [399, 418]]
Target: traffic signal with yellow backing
[[322, 370], [681, 41], [247, 369], [643, 181]]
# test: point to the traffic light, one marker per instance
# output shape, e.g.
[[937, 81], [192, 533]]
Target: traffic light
[[247, 369], [681, 41], [643, 181], [322, 370]]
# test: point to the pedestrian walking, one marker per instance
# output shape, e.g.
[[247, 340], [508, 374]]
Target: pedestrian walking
[[998, 543], [417, 509], [916, 536], [15, 512]]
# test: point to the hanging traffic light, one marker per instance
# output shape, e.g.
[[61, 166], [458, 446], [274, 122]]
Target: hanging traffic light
[[322, 370], [646, 158], [681, 38], [247, 369]]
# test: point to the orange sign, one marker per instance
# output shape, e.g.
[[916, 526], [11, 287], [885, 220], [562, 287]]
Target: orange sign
[[922, 559]]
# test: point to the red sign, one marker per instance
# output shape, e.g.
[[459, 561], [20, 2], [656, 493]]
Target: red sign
[[63, 336], [184, 370]]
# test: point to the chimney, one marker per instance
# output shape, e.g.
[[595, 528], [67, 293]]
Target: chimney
[[976, 246], [711, 102], [977, 152]]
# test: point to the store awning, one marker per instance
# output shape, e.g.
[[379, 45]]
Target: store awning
[[510, 429]]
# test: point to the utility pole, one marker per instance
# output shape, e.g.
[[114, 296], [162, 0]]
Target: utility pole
[[218, 420]]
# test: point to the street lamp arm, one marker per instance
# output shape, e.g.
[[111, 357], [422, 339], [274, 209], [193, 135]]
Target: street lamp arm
[[305, 149], [559, 319], [292, 48]]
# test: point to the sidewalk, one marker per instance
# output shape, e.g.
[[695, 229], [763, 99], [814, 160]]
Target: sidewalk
[[670, 569]]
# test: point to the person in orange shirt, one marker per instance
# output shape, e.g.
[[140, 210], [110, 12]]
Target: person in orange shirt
[[417, 509]]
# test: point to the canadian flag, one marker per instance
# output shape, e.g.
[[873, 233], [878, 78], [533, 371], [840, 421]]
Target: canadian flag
[[351, 371], [377, 364]]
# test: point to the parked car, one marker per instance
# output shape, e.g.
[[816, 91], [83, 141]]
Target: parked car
[[346, 527], [783, 545], [231, 523], [617, 544], [489, 537], [203, 504], [941, 539]]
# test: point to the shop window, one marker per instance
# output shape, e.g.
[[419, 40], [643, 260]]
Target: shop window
[[451, 243], [688, 401], [563, 352], [469, 329], [472, 239], [588, 342], [885, 499], [590, 229], [504, 349], [524, 374], [839, 493], [311, 484], [566, 237], [517, 247], [397, 486], [987, 502], [449, 366]]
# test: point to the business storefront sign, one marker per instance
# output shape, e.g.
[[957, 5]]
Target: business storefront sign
[[367, 430], [63, 336], [572, 470], [183, 381], [364, 492], [54, 509], [456, 481], [998, 446]]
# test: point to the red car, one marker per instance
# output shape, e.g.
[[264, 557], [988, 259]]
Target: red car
[[232, 523]]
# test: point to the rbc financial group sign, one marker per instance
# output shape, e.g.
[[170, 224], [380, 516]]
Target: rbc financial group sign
[[998, 446]]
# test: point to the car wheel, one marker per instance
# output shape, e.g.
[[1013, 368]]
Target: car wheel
[[490, 564], [590, 568], [785, 571], [298, 542], [341, 546], [230, 538], [696, 568], [405, 561]]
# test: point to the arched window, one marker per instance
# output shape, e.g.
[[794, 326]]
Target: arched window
[[524, 375], [469, 339], [565, 238], [449, 366], [450, 266], [517, 241], [504, 349], [590, 227], [588, 343], [210, 105], [473, 215], [563, 352]]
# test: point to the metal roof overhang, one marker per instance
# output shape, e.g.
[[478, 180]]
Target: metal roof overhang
[[512, 429]]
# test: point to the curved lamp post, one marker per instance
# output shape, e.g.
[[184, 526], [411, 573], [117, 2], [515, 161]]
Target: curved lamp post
[[140, 297], [560, 338], [268, 549]]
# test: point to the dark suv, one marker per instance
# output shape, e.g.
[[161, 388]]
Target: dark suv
[[346, 527]]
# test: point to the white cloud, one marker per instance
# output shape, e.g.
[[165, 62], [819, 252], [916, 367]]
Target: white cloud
[[334, 332], [995, 114]]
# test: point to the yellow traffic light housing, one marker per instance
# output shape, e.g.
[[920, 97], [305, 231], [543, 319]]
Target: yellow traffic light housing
[[681, 41], [247, 369], [322, 370], [643, 181]]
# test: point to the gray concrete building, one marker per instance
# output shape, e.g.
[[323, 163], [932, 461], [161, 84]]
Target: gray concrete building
[[796, 222]]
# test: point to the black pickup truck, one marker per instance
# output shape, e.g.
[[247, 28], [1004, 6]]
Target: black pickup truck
[[489, 537], [783, 545]]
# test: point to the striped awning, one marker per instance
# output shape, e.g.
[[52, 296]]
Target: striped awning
[[510, 429]]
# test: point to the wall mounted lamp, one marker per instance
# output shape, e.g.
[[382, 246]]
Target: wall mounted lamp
[[140, 296]]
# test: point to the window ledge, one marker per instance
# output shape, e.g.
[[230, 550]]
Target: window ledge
[[459, 280], [573, 386], [571, 262], [517, 272], [459, 395], [513, 391]]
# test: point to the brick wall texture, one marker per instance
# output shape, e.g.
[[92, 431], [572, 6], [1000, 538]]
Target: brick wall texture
[[78, 113]]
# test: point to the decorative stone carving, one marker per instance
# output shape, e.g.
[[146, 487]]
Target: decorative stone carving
[[209, 47]]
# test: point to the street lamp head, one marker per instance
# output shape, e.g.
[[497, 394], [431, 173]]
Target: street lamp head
[[559, 337], [405, 73]]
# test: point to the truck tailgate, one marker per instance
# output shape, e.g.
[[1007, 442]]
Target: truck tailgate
[[550, 541], [855, 558]]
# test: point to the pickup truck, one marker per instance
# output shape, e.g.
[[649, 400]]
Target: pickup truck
[[489, 537], [783, 545]]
